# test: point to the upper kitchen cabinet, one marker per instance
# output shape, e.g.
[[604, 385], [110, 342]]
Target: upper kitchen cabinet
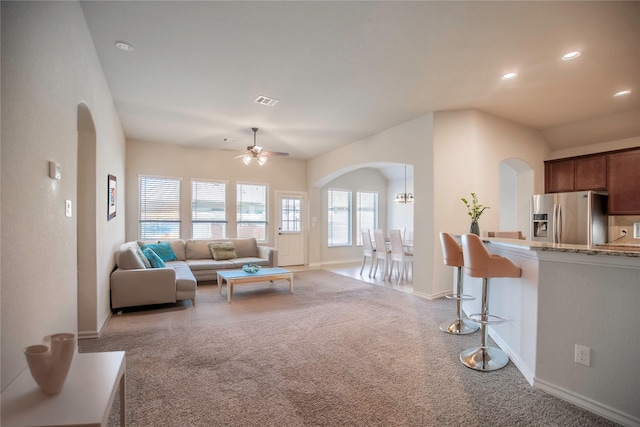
[[576, 174], [559, 176], [624, 182], [591, 173]]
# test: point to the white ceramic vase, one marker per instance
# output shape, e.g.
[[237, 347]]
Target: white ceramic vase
[[49, 362]]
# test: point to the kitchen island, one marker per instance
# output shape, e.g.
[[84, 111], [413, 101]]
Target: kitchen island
[[568, 295]]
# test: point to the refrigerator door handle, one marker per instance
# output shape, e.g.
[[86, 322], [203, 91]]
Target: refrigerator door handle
[[559, 221], [554, 222]]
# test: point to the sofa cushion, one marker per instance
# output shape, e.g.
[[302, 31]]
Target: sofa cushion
[[208, 264], [222, 251], [154, 259], [198, 249], [246, 247], [142, 256], [178, 247], [162, 249], [129, 260]]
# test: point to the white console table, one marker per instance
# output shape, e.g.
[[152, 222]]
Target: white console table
[[85, 399]]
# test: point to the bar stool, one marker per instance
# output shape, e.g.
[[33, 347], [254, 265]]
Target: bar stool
[[452, 256], [478, 262]]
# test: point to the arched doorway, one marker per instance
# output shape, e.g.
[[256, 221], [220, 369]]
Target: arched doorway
[[86, 225], [516, 188]]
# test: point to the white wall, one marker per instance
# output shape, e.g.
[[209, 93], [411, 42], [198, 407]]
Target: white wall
[[49, 66], [469, 146], [170, 160]]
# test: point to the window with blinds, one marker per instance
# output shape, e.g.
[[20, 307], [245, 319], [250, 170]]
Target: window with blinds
[[208, 210], [159, 208], [251, 211], [367, 212], [339, 214]]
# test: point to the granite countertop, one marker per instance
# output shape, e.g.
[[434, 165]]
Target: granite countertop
[[626, 250]]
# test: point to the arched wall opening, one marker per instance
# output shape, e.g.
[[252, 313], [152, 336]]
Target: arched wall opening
[[86, 224], [516, 188], [385, 178]]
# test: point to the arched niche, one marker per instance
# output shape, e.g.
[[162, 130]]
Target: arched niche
[[516, 188]]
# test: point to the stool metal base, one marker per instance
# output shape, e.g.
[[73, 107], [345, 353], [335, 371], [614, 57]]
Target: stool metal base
[[459, 327], [484, 359]]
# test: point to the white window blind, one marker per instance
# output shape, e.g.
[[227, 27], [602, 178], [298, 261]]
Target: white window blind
[[339, 214], [208, 210], [251, 211], [367, 212], [159, 208]]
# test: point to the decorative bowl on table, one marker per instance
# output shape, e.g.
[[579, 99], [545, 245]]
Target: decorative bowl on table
[[251, 268]]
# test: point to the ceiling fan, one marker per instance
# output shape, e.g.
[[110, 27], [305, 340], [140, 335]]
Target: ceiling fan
[[256, 152]]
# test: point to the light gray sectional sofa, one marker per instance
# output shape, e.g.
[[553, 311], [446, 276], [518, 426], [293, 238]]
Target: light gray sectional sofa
[[134, 282]]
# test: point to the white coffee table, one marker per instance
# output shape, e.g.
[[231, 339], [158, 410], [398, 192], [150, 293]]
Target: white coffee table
[[233, 277]]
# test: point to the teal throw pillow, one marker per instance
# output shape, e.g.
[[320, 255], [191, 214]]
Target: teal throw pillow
[[154, 259], [163, 250]]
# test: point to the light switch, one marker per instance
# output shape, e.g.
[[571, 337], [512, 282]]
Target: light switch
[[68, 211], [54, 171], [636, 230]]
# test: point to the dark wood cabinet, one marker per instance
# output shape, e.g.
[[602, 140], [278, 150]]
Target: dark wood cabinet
[[591, 173], [624, 182], [576, 174], [559, 176], [617, 172]]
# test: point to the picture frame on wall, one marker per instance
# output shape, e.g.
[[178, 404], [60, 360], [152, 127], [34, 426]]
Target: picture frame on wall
[[112, 196]]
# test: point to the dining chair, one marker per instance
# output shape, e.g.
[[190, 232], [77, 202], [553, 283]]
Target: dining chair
[[399, 255], [367, 250], [382, 253]]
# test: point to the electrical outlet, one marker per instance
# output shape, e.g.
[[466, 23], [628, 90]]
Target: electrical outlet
[[583, 355]]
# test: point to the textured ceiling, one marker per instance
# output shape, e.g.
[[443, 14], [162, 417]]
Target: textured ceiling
[[346, 70]]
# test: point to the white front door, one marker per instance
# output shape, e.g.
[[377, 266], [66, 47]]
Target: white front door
[[291, 232]]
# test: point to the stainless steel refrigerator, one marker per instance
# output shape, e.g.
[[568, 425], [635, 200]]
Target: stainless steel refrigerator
[[578, 218]]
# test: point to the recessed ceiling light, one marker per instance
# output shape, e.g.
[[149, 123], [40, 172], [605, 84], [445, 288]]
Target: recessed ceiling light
[[622, 93], [124, 46], [570, 55], [509, 76]]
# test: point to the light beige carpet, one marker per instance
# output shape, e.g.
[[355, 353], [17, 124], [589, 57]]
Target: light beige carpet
[[337, 352]]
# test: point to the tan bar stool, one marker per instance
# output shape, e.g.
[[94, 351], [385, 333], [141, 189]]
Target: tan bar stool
[[452, 256], [478, 262]]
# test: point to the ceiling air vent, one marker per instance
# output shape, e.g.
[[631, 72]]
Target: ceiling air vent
[[265, 100]]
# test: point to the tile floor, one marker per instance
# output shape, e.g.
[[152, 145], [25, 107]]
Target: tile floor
[[353, 270]]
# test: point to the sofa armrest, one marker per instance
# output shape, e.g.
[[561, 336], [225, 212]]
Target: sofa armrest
[[269, 253], [143, 286]]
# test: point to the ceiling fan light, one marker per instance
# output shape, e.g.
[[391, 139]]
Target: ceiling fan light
[[246, 159], [262, 159]]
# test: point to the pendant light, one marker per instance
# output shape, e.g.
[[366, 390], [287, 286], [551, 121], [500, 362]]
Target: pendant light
[[404, 197]]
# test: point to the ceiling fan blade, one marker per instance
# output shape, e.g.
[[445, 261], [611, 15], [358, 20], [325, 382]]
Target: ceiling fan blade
[[274, 153], [240, 156]]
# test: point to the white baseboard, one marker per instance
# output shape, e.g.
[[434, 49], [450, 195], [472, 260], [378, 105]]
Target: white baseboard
[[84, 335], [431, 297], [522, 367], [588, 404]]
